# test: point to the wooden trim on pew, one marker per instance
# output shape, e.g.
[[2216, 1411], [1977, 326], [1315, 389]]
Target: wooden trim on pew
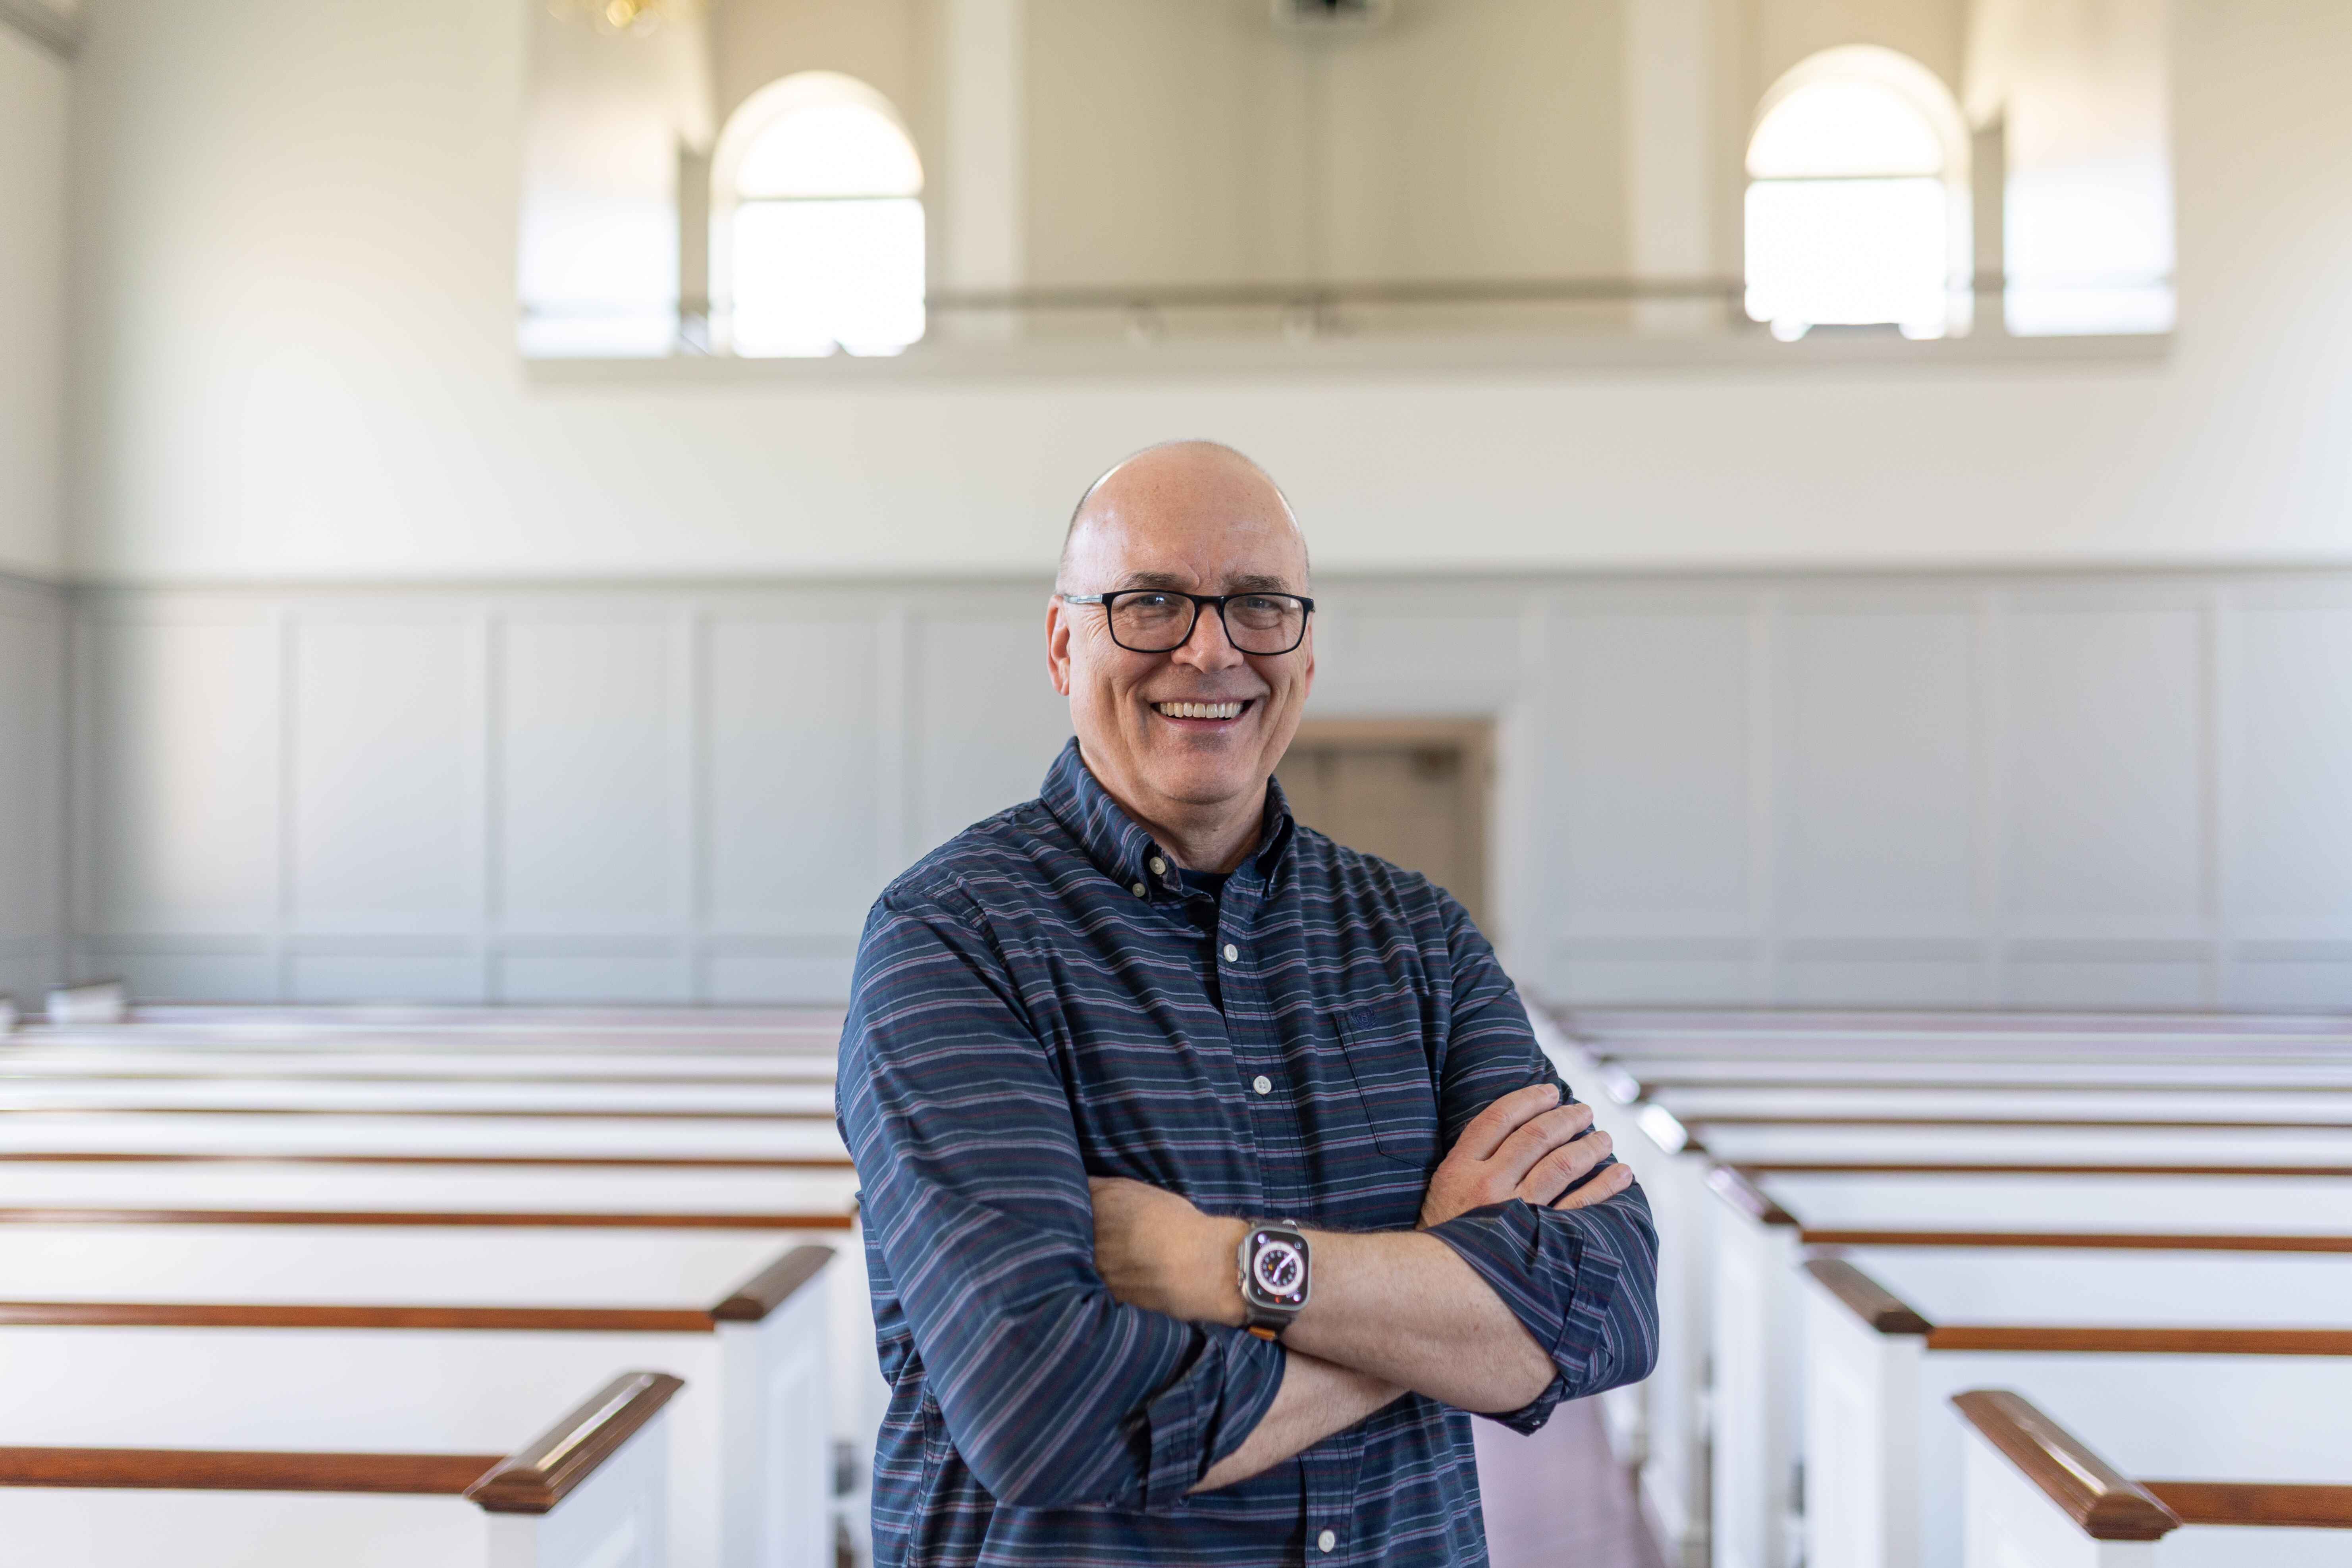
[[772, 1286], [313, 1078], [2071, 1123], [2105, 1502], [535, 1478], [196, 1469], [511, 1161], [829, 1219], [1866, 1298], [748, 1302], [1736, 1186], [2273, 1503], [1888, 1313], [447, 1114], [1754, 1168], [2101, 1340], [1649, 1082], [2143, 1241]]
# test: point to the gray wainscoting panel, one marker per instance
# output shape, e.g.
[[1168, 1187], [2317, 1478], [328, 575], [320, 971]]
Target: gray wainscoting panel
[[32, 788], [385, 774], [986, 723], [2120, 789], [178, 803]]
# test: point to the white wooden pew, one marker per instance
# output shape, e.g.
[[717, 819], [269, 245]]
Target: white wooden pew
[[1607, 1029], [1766, 1222], [1664, 1425], [2038, 1496], [160, 1329], [294, 1192], [388, 1062], [736, 1101], [2147, 1340], [590, 1492], [611, 1023], [587, 1135]]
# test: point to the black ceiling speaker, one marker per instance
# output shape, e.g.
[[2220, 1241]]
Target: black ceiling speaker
[[1329, 17]]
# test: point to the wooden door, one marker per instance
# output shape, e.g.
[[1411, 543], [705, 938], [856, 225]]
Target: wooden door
[[1410, 791]]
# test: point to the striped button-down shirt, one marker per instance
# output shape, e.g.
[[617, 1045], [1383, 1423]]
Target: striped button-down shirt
[[1030, 1007]]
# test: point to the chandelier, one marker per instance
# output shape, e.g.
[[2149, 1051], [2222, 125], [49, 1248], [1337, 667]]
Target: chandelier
[[625, 16]]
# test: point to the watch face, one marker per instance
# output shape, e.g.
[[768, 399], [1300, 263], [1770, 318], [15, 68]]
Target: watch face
[[1277, 1269]]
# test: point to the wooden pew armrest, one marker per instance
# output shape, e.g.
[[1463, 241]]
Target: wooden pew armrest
[[2108, 1504], [534, 1478]]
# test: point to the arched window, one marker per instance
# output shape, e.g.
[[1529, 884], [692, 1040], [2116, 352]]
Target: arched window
[[817, 221], [1857, 200]]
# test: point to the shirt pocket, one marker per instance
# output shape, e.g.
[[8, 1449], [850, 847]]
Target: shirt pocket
[[1384, 1044]]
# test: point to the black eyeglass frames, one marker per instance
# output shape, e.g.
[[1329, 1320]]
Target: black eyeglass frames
[[1161, 620]]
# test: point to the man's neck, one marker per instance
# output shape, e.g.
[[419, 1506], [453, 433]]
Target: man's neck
[[1199, 837]]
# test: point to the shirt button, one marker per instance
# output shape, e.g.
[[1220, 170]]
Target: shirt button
[[1263, 1084], [1233, 953], [1159, 867], [1325, 1542], [1136, 890]]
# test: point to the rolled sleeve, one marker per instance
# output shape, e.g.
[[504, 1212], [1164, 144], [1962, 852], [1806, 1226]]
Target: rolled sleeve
[[1205, 1415], [1582, 1282]]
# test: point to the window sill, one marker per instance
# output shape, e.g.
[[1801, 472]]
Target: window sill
[[1463, 355]]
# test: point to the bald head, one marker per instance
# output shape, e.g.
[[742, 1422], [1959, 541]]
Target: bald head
[[1184, 736], [1180, 485]]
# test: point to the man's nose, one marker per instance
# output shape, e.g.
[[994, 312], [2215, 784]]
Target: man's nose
[[1208, 648]]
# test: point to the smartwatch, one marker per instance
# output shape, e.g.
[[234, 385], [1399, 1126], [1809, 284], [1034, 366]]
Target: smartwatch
[[1275, 1276]]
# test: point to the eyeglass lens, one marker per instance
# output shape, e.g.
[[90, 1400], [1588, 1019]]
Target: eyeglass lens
[[1254, 623]]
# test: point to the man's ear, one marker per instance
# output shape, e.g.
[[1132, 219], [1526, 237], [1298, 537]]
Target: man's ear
[[1058, 645]]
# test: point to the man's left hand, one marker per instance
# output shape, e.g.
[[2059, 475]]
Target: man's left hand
[[1155, 1250]]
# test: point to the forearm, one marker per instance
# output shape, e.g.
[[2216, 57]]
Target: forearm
[[1402, 1307], [1316, 1400]]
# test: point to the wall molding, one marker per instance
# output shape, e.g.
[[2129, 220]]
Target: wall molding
[[1863, 787]]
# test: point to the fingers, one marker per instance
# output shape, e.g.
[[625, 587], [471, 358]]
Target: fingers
[[1562, 1166], [1599, 1190], [1538, 1137], [1486, 1131]]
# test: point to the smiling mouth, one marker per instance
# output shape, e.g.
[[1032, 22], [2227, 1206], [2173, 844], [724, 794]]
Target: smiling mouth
[[1204, 712]]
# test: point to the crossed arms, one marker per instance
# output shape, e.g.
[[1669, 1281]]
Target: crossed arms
[[1080, 1347], [1389, 1312]]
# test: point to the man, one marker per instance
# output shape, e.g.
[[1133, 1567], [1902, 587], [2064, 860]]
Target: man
[[1210, 1169]]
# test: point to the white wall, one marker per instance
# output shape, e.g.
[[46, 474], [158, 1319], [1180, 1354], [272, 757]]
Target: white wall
[[2107, 789], [295, 339], [32, 305], [32, 788]]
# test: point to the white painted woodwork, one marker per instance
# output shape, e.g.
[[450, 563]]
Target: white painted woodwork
[[2012, 1524], [2107, 1102], [2110, 790], [1882, 1467], [33, 621], [1704, 1321], [1755, 1415], [615, 1519], [488, 1136], [752, 1432]]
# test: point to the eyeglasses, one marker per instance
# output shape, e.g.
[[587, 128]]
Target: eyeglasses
[[1157, 620]]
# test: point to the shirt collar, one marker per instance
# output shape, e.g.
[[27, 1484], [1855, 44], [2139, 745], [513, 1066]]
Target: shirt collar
[[1125, 851]]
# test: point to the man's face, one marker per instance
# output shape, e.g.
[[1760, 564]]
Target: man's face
[[1222, 532]]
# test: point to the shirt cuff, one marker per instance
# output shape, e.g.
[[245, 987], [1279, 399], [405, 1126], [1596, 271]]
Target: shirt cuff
[[1208, 1413], [1542, 1265]]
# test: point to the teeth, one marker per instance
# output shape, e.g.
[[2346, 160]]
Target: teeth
[[1200, 710]]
